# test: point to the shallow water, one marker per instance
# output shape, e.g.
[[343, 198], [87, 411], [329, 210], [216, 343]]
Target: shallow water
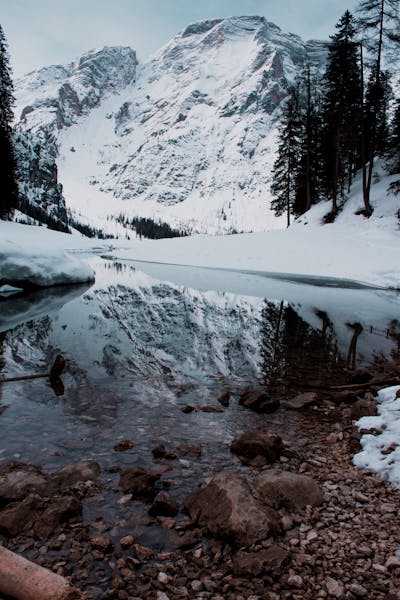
[[139, 348]]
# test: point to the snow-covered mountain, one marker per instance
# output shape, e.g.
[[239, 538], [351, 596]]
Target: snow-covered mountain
[[188, 137]]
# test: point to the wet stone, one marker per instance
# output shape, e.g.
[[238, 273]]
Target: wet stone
[[123, 445]]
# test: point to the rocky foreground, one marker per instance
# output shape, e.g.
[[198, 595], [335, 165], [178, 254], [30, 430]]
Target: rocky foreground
[[296, 521]]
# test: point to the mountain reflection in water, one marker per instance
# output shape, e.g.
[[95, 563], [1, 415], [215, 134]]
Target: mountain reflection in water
[[138, 349]]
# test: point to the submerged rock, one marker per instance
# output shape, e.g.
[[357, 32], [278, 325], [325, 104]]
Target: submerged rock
[[160, 451], [227, 509], [163, 506], [138, 482], [123, 445], [259, 400], [224, 399]]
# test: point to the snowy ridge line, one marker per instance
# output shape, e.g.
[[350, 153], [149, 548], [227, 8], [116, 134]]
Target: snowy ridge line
[[316, 280]]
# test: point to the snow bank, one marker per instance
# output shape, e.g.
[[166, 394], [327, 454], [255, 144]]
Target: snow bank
[[381, 453], [35, 257], [353, 248]]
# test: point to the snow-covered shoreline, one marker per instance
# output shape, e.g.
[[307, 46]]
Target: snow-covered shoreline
[[34, 257], [381, 452]]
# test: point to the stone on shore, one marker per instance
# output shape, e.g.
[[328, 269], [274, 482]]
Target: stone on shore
[[258, 443], [302, 401], [227, 509], [289, 490], [269, 561]]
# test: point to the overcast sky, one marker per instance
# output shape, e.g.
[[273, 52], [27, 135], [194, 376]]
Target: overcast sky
[[43, 32]]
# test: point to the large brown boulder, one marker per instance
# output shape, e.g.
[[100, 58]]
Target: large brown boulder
[[259, 400], [289, 490], [227, 509], [258, 443]]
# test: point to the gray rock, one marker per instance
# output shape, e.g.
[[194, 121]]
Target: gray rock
[[290, 490]]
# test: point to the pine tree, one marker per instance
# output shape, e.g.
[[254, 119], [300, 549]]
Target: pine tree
[[341, 112], [377, 99], [379, 23], [309, 167], [285, 170], [8, 185]]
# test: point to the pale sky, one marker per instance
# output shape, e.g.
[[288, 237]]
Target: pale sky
[[44, 32]]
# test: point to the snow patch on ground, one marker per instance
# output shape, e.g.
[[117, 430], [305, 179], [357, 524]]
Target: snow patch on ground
[[381, 453]]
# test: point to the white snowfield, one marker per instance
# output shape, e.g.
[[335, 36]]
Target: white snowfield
[[353, 248], [36, 257]]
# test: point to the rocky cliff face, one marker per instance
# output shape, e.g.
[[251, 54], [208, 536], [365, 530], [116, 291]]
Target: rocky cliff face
[[49, 100], [188, 137]]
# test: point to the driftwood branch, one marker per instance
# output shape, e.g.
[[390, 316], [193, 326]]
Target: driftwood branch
[[24, 580], [54, 374]]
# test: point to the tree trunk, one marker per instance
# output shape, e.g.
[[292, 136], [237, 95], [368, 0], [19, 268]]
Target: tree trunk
[[25, 580]]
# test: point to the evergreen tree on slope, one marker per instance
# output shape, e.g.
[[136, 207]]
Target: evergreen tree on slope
[[8, 185], [309, 167], [284, 183], [341, 112], [379, 23]]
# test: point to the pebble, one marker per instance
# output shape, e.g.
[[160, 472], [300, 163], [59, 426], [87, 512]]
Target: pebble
[[358, 590], [335, 588]]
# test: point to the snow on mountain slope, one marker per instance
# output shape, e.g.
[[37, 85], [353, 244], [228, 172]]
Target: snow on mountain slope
[[55, 96], [191, 141], [48, 100]]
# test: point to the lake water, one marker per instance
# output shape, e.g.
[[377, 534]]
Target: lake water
[[145, 340]]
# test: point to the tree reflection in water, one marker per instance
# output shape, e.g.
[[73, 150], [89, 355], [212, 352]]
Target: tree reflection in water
[[295, 356]]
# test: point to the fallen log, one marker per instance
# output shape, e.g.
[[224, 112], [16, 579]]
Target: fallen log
[[365, 386], [24, 580]]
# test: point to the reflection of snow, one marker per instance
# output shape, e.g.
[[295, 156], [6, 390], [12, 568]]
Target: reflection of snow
[[381, 453]]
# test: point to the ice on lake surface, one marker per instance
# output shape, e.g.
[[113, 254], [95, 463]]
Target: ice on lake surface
[[141, 345]]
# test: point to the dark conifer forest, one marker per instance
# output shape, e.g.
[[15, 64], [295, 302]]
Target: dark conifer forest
[[338, 123], [8, 185]]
